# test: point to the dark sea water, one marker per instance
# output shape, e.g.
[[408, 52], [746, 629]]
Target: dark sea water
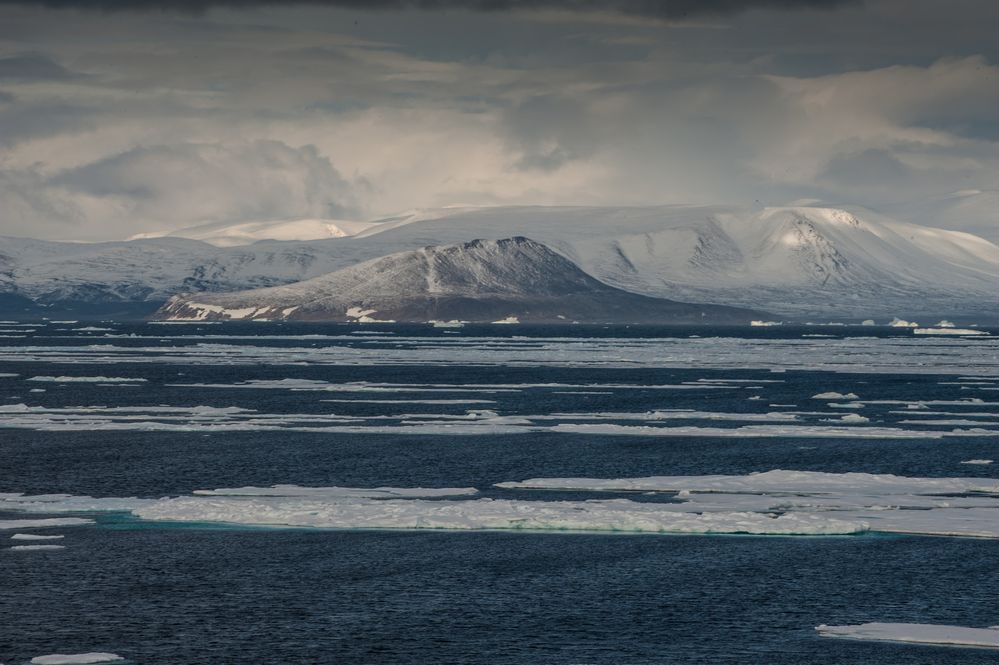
[[160, 593]]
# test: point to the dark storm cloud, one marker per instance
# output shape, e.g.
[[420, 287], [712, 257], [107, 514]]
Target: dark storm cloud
[[652, 8]]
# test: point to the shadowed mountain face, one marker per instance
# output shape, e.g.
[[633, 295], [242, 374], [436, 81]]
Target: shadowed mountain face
[[481, 280]]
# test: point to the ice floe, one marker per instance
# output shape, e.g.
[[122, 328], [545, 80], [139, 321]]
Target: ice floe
[[981, 462], [964, 332], [41, 523], [323, 508], [778, 502], [756, 431], [76, 658], [35, 536], [86, 379], [777, 481], [835, 395], [897, 354], [340, 492], [915, 633], [965, 507], [36, 548], [489, 514]]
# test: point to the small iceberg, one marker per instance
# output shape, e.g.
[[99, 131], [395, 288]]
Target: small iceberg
[[765, 324], [508, 320], [835, 395]]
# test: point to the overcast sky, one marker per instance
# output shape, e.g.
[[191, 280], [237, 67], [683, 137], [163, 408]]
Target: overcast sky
[[121, 117]]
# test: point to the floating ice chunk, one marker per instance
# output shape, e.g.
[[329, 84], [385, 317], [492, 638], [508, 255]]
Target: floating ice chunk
[[44, 522], [867, 322], [835, 395], [902, 323], [86, 379], [508, 320], [978, 461], [76, 658], [34, 536], [850, 418], [917, 633], [764, 324], [36, 548]]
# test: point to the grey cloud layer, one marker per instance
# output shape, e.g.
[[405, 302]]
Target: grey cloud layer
[[660, 8], [126, 122]]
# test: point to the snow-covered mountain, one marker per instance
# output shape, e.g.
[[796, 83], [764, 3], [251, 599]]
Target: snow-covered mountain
[[225, 234], [796, 261], [512, 279]]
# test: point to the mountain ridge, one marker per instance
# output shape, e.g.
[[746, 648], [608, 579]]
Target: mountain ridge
[[513, 279], [802, 262]]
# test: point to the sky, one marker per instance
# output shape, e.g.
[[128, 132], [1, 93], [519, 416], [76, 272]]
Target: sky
[[121, 117]]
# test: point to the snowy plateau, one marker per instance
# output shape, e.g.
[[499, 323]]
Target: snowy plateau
[[797, 262]]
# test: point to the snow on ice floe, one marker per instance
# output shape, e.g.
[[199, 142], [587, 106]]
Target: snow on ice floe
[[40, 523], [753, 431], [915, 633], [778, 502], [337, 510], [76, 658], [340, 492], [960, 507], [965, 332], [381, 387], [471, 422], [778, 480], [86, 379]]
